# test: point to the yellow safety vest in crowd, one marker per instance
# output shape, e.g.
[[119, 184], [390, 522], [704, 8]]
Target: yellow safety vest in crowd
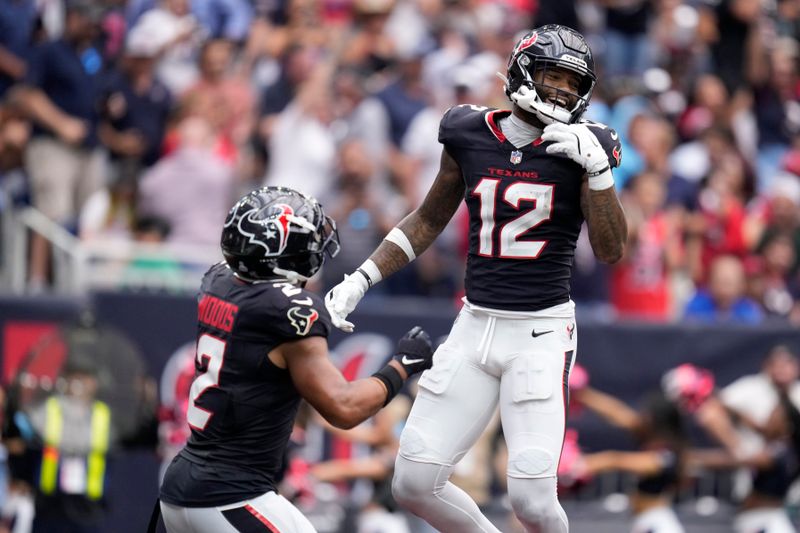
[[95, 461]]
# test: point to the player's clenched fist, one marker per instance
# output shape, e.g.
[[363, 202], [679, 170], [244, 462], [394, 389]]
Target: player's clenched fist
[[343, 298], [415, 351]]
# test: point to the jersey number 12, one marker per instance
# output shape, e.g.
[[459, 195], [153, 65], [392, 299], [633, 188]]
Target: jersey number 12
[[510, 246], [213, 350]]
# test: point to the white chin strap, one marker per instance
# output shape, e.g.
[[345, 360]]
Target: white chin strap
[[528, 99], [290, 275]]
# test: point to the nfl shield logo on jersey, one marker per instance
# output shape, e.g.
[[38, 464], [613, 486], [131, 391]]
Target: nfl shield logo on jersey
[[516, 157]]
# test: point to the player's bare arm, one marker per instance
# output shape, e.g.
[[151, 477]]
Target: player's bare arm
[[410, 237], [423, 225], [343, 403], [605, 219]]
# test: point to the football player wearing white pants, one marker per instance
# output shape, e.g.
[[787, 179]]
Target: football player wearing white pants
[[517, 360], [529, 177]]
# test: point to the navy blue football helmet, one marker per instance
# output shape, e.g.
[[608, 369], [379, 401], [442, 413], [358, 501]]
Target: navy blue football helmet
[[548, 47], [276, 232]]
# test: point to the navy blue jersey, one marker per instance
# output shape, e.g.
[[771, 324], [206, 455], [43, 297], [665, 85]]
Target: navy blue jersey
[[524, 209], [241, 406]]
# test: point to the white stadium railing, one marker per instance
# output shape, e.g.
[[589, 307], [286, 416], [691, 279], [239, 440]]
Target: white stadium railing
[[81, 266]]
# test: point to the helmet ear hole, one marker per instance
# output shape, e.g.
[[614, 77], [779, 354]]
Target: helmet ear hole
[[277, 232]]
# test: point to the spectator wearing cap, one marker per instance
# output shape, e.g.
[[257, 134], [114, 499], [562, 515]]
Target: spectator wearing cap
[[176, 32], [17, 18], [64, 161], [135, 108]]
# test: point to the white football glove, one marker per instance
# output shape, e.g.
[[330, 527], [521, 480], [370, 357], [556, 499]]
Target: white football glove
[[577, 142], [343, 298]]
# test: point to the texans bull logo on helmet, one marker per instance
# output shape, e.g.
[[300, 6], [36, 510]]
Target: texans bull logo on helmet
[[275, 232], [523, 44], [302, 318]]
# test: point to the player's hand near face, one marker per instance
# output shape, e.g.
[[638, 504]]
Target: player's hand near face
[[578, 143], [601, 208]]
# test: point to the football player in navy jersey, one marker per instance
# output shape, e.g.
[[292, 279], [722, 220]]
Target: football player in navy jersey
[[530, 177], [261, 347]]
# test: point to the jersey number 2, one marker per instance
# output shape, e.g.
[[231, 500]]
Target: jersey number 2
[[212, 349], [510, 246]]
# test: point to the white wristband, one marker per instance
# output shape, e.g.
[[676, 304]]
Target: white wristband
[[602, 181], [399, 238], [370, 270]]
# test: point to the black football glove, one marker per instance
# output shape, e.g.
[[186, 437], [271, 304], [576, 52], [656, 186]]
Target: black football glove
[[414, 351]]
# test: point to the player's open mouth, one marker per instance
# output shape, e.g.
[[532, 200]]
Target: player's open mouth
[[558, 101]]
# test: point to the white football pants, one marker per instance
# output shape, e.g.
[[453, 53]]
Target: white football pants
[[519, 360], [268, 513]]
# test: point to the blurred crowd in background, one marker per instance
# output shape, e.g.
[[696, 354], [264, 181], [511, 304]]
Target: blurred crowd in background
[[144, 120]]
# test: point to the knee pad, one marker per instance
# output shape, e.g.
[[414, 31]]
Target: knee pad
[[535, 503], [532, 462], [415, 481], [413, 444]]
